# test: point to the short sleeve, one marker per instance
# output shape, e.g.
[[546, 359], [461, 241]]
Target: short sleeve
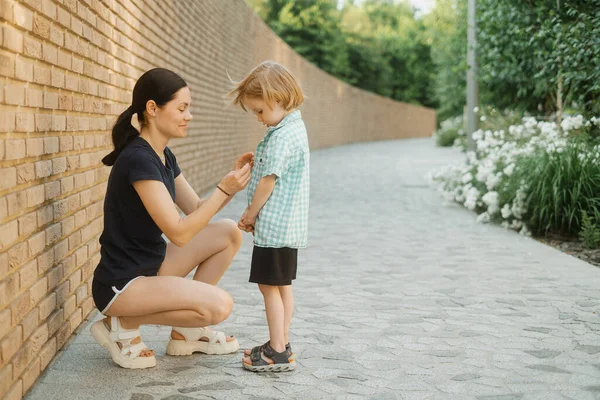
[[143, 166], [172, 161], [277, 156]]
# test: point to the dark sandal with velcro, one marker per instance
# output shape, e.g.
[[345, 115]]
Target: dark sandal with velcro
[[268, 360], [260, 348]]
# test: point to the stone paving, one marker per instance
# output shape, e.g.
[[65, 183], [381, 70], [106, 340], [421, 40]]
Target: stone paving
[[399, 296]]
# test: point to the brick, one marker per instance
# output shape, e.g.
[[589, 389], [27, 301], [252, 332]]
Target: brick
[[16, 202], [15, 392], [50, 53], [5, 322], [59, 165], [35, 195], [24, 70], [66, 143], [30, 322], [35, 147], [7, 124], [43, 122], [41, 75], [36, 4], [46, 306], [78, 104], [8, 233], [3, 209], [25, 173], [8, 177], [7, 64], [63, 17], [27, 224], [8, 289], [51, 144], [21, 359], [52, 190], [51, 100], [5, 379], [77, 65], [63, 334], [23, 17], [55, 275], [53, 233], [59, 123], [11, 343], [65, 102], [28, 274], [47, 353], [12, 39], [45, 215], [72, 161], [37, 243], [14, 95], [61, 250], [49, 9], [71, 82], [15, 149], [43, 168], [45, 261], [24, 122], [61, 207], [58, 79], [57, 36], [38, 291], [18, 254], [34, 98], [32, 47], [31, 373], [56, 319], [64, 59], [41, 26]]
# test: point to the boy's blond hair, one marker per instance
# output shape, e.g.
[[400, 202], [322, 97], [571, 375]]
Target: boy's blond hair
[[272, 82]]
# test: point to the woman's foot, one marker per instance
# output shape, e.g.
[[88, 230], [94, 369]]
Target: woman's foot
[[185, 341], [125, 345], [144, 353]]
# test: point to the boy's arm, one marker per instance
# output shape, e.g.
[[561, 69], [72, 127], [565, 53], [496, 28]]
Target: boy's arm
[[263, 192]]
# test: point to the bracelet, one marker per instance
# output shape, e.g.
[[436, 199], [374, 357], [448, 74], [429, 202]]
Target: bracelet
[[218, 187]]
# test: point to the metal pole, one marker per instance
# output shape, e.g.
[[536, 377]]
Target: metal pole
[[472, 88]]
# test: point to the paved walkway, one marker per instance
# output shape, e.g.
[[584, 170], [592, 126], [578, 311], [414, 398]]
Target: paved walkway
[[399, 296]]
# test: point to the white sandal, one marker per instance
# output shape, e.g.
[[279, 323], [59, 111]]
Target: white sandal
[[127, 356], [217, 342]]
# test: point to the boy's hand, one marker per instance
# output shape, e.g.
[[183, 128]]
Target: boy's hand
[[249, 220], [247, 158], [245, 228]]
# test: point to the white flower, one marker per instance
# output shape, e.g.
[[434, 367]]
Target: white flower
[[468, 177], [472, 197], [476, 109], [491, 200], [506, 213], [509, 169], [483, 217]]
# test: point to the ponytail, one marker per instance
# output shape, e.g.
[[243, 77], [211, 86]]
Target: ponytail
[[122, 134]]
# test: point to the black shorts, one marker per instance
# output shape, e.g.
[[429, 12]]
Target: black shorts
[[273, 266], [105, 295]]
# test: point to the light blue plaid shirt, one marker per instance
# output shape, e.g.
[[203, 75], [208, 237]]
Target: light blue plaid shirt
[[283, 220]]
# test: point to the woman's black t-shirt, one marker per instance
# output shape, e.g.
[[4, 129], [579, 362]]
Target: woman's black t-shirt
[[131, 243]]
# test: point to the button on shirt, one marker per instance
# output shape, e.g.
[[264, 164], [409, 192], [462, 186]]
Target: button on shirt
[[284, 152]]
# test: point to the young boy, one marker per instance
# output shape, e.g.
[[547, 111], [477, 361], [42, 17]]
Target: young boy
[[277, 212]]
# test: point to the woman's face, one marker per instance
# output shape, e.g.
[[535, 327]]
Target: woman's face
[[172, 118]]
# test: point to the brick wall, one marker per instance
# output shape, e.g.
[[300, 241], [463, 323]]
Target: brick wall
[[67, 68]]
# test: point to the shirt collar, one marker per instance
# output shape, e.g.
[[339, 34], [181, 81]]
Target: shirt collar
[[294, 115]]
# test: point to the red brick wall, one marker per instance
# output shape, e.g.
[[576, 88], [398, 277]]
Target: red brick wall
[[67, 68]]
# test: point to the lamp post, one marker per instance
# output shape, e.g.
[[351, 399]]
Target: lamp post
[[472, 88]]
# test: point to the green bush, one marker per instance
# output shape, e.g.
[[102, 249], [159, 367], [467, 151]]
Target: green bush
[[590, 232], [563, 185]]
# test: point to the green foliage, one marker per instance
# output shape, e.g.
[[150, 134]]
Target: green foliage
[[590, 232], [562, 186]]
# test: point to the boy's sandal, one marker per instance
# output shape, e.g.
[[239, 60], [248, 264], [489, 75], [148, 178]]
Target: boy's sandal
[[118, 342], [256, 349], [203, 340], [268, 360]]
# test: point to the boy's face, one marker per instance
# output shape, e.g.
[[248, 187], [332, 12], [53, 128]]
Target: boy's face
[[265, 115]]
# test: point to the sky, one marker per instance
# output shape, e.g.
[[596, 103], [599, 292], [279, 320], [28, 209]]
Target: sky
[[423, 6]]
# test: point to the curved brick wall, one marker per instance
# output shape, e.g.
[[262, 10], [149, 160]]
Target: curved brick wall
[[67, 68]]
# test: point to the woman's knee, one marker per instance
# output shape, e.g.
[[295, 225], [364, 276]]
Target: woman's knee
[[220, 308], [232, 232]]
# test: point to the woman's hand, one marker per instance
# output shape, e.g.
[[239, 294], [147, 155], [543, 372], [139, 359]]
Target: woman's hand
[[236, 181], [246, 158]]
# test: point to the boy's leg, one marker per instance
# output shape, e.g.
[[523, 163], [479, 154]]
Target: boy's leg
[[287, 296], [275, 316]]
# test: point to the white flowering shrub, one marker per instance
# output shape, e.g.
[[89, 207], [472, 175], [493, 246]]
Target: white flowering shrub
[[529, 177], [449, 132]]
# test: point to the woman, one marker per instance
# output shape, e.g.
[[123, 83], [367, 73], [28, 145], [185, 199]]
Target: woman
[[140, 278]]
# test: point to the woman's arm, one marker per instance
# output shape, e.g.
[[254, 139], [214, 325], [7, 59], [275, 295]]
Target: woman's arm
[[187, 199], [160, 206]]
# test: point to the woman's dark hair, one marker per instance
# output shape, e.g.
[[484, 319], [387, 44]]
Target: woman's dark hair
[[157, 84]]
